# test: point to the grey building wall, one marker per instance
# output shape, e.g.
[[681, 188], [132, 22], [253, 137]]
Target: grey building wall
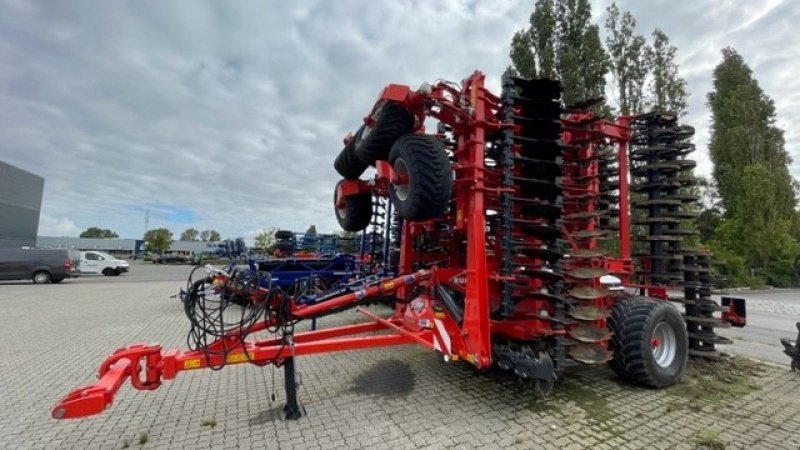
[[121, 246], [20, 204], [106, 245]]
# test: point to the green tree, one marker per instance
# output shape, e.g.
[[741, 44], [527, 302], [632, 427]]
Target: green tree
[[666, 88], [95, 232], [348, 242], [210, 236], [310, 241], [627, 52], [190, 234], [757, 193], [265, 240], [562, 43], [158, 240]]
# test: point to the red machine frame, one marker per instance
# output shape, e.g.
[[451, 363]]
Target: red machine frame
[[472, 113]]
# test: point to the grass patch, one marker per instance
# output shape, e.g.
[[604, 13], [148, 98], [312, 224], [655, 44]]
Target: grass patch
[[542, 405], [211, 423], [595, 406], [715, 382], [709, 439], [143, 437]]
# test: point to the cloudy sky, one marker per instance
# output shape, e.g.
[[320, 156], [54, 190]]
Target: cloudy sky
[[229, 117]]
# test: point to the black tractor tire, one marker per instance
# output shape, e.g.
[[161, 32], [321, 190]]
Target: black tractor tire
[[391, 120], [347, 164], [284, 234], [640, 357], [357, 212], [421, 158], [284, 245], [41, 277]]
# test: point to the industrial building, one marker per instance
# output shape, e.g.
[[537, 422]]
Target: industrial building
[[124, 247], [20, 205]]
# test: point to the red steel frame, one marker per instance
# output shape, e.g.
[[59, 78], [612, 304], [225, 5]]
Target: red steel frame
[[471, 111]]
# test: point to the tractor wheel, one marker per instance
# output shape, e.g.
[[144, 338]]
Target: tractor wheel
[[649, 341], [284, 234], [284, 245], [426, 181], [391, 121], [347, 163], [356, 213]]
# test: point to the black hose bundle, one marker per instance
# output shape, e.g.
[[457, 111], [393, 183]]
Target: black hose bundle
[[216, 305]]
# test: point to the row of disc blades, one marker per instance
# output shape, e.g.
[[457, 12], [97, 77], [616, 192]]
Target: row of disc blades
[[662, 200], [586, 203], [531, 205], [661, 175]]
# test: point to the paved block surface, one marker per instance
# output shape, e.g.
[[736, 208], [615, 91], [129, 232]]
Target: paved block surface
[[53, 337]]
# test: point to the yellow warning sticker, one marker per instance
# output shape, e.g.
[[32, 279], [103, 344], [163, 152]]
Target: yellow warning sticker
[[389, 286], [191, 364], [238, 357]]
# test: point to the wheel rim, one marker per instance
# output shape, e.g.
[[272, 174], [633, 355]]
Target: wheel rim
[[664, 344], [41, 278], [341, 211], [401, 170]]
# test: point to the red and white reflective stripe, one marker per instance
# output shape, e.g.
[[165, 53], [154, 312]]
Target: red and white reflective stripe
[[441, 340]]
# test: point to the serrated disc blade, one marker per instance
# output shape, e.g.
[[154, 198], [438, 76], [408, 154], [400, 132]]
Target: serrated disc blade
[[589, 333], [589, 353], [588, 293], [588, 312], [587, 273]]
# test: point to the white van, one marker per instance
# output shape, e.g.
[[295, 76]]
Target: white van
[[93, 261]]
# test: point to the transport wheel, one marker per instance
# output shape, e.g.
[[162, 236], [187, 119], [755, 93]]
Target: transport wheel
[[347, 163], [117, 272], [284, 234], [108, 272], [424, 179], [41, 277], [649, 341], [356, 211], [284, 245], [391, 120]]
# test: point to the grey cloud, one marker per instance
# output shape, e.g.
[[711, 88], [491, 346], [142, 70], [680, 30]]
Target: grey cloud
[[236, 113]]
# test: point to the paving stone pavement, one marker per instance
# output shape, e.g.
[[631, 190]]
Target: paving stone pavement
[[53, 338]]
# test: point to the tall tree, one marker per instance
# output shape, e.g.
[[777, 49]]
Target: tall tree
[[210, 236], [190, 234], [757, 193], [265, 239], [743, 133], [666, 88], [158, 240], [310, 241], [562, 43], [348, 242], [96, 232], [627, 52]]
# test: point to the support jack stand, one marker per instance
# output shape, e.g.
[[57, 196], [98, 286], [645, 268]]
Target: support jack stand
[[292, 410]]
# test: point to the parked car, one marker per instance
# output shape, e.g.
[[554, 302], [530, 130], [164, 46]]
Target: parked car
[[97, 262], [166, 259], [40, 266]]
